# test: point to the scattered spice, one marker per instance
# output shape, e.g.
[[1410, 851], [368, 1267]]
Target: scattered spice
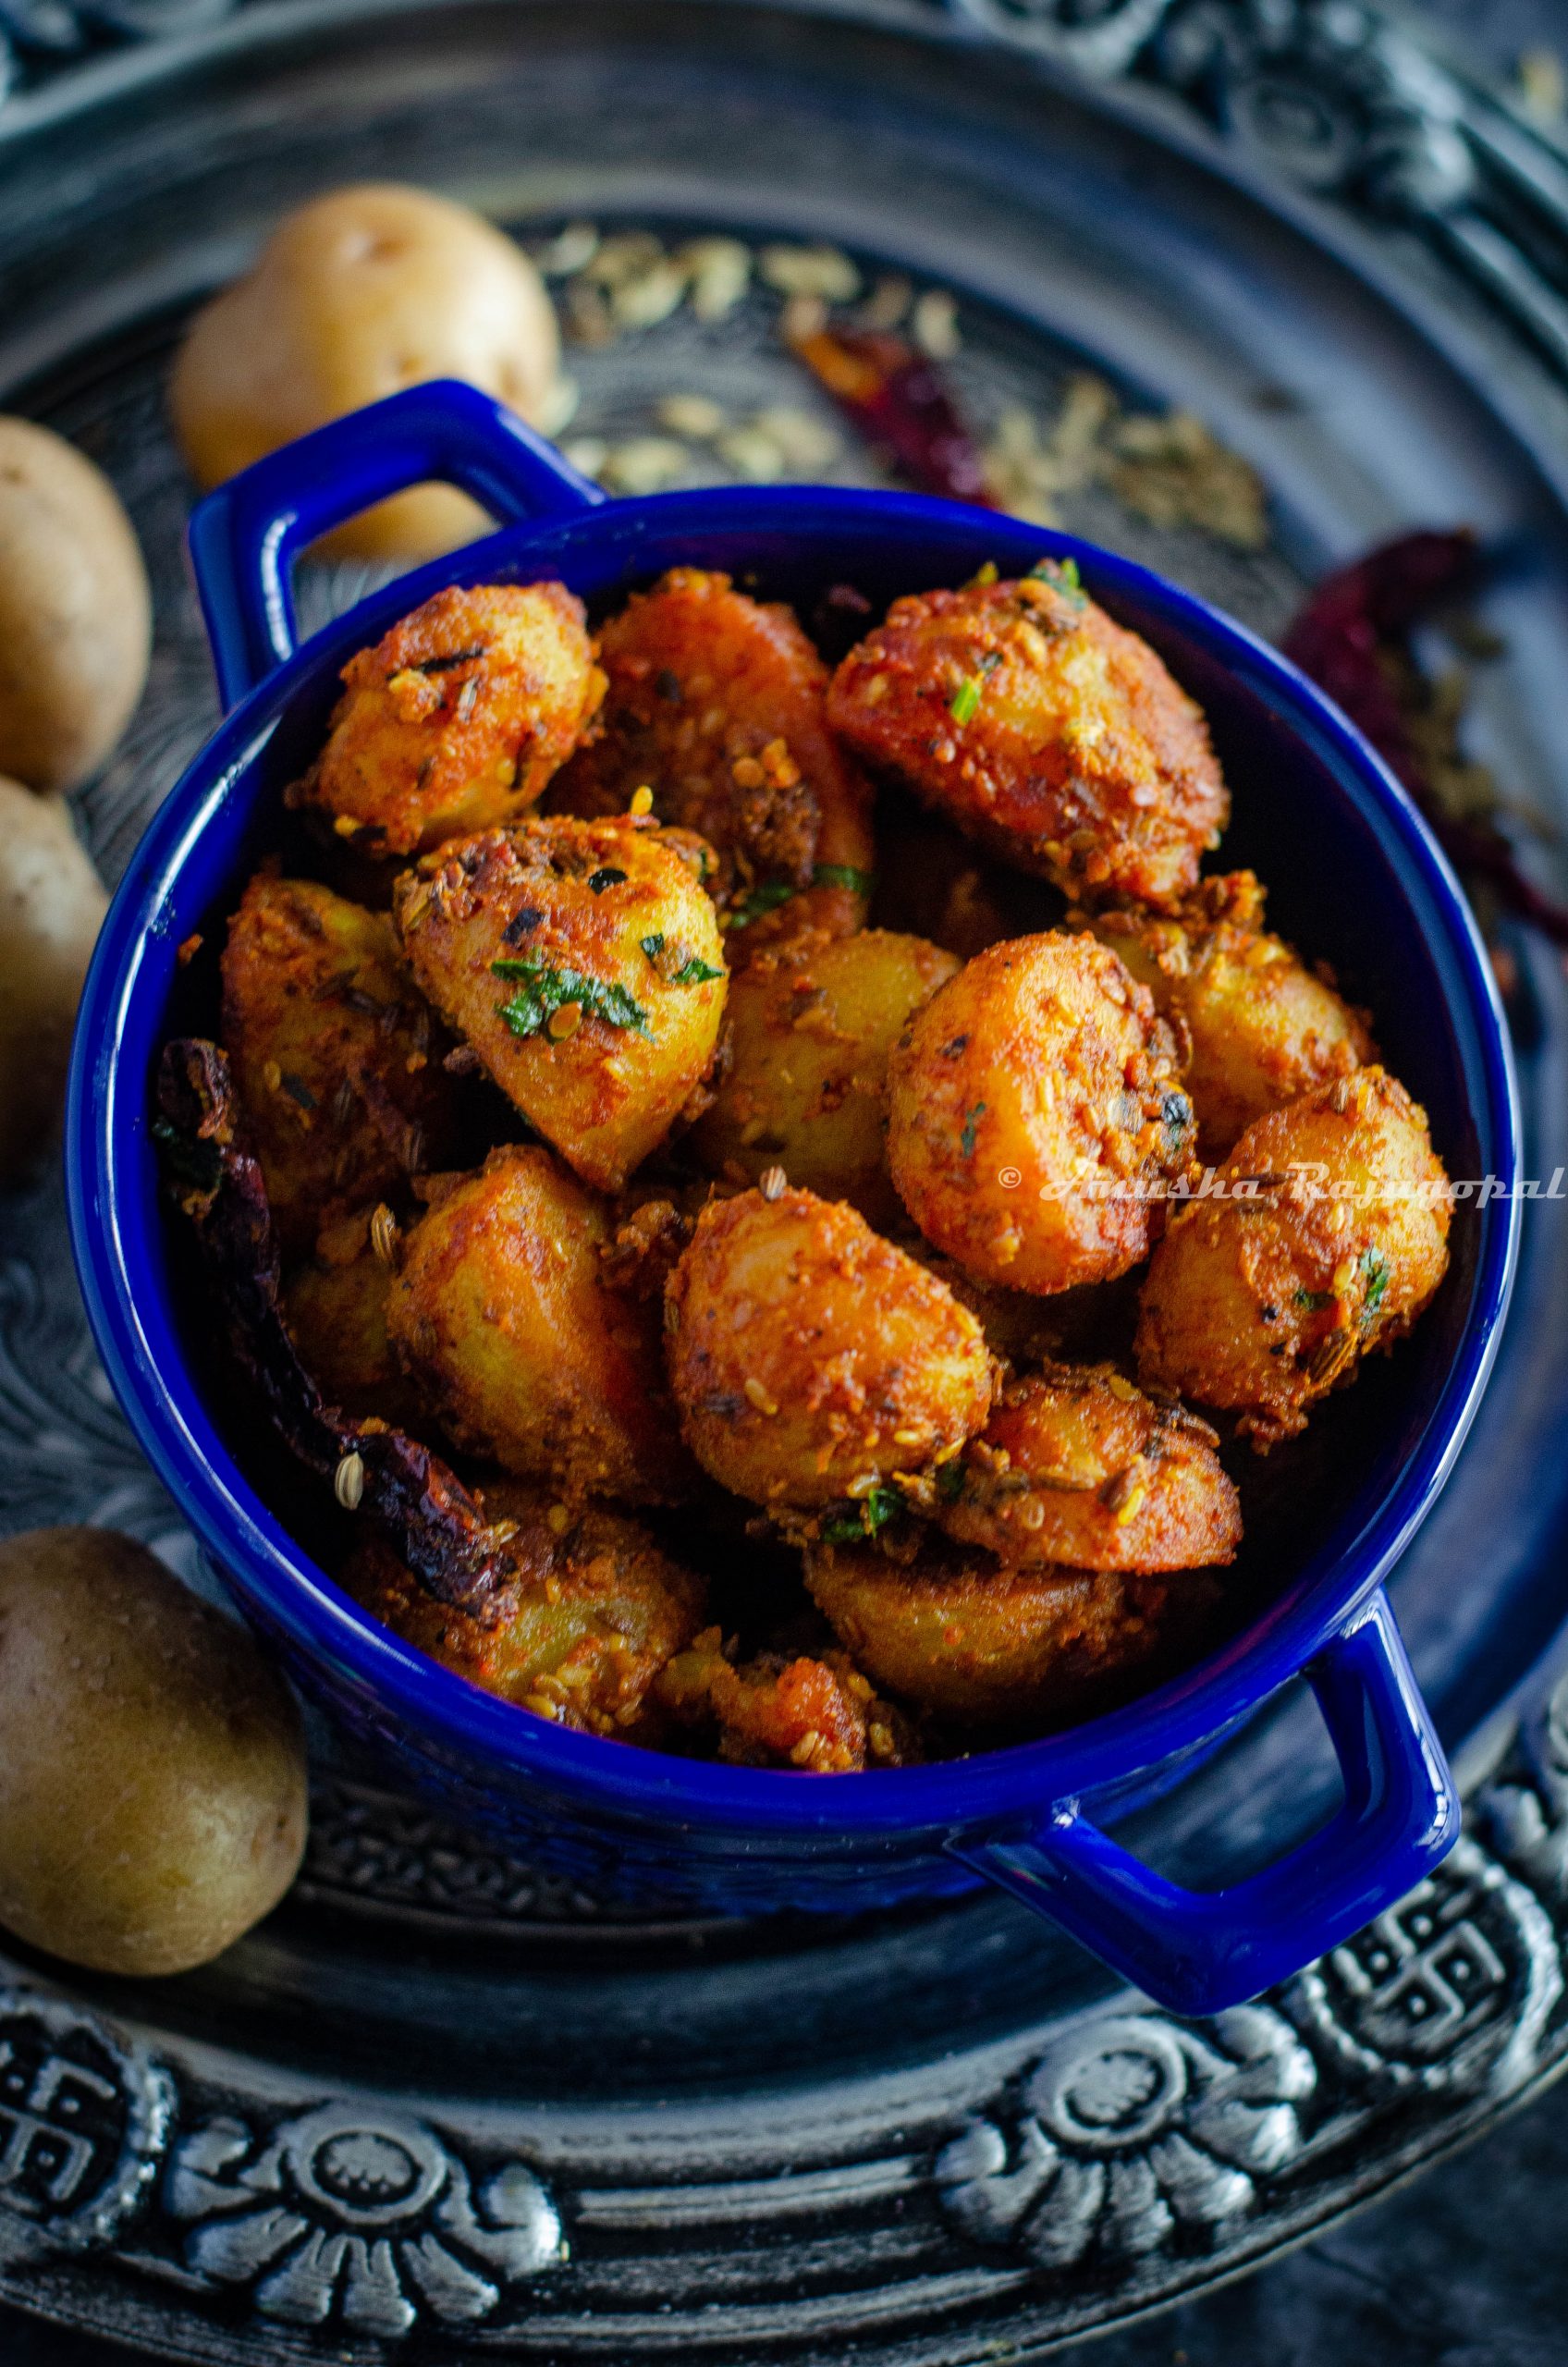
[[894, 395], [694, 973], [349, 1482], [1351, 638], [606, 876], [383, 1234], [772, 1183]]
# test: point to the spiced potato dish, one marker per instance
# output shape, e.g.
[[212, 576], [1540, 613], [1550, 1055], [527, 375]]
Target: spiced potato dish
[[724, 1302]]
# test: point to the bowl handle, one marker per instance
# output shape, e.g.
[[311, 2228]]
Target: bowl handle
[[1197, 1952], [244, 538]]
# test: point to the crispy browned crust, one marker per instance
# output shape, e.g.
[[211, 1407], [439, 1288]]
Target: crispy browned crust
[[1076, 1465], [812, 1024], [457, 718], [1260, 1027], [958, 1636], [1035, 1109], [509, 1319], [335, 1059], [716, 703], [809, 1358], [819, 1716], [618, 906], [1261, 1301], [591, 1611], [1047, 733]]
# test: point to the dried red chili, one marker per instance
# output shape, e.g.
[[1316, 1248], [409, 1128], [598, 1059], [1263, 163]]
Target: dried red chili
[[898, 400], [1344, 638]]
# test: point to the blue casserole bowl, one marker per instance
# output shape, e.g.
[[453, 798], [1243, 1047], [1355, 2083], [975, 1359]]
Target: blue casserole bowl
[[1356, 876]]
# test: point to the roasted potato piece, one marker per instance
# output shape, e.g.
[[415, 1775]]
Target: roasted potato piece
[[957, 1635], [582, 962], [820, 1715], [1050, 735], [715, 704], [504, 1317], [1262, 1028], [812, 1023], [331, 1047], [456, 720], [335, 1308], [357, 294], [1262, 1300], [1034, 1106], [809, 1358], [1076, 1465], [597, 1612]]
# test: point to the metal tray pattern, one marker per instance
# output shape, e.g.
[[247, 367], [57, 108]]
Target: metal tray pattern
[[445, 2098]]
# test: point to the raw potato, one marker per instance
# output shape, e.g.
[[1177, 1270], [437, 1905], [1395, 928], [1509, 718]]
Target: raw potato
[[51, 908], [809, 1358], [1262, 1028], [76, 615], [153, 1782], [1329, 1241], [355, 296], [957, 1636], [1035, 1111], [582, 963], [812, 1023], [505, 1316], [457, 718]]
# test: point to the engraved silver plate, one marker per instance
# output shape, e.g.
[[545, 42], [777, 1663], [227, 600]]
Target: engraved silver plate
[[443, 2099]]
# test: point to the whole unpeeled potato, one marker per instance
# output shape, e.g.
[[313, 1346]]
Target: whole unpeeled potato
[[50, 906], [362, 293], [151, 1765], [76, 616]]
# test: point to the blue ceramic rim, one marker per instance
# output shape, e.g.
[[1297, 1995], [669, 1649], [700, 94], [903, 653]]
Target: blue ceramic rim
[[242, 1534]]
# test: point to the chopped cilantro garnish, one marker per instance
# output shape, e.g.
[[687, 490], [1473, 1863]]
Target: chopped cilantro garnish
[[765, 898], [1062, 576], [1379, 1274], [652, 946], [694, 973], [1314, 1302], [546, 989], [852, 1524], [965, 701], [949, 1480], [966, 1140], [843, 875]]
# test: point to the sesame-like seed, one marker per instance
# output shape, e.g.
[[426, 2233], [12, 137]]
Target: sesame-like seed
[[908, 1438], [346, 826], [805, 1750], [349, 1482], [772, 1183], [558, 1520], [564, 1022], [1031, 1512], [757, 1395], [641, 801]]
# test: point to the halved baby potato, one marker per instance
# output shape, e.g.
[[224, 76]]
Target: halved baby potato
[[582, 963], [529, 1357], [811, 1360], [812, 1023], [457, 718], [1035, 1112]]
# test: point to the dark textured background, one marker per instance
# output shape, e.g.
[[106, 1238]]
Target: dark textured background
[[1464, 2266]]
